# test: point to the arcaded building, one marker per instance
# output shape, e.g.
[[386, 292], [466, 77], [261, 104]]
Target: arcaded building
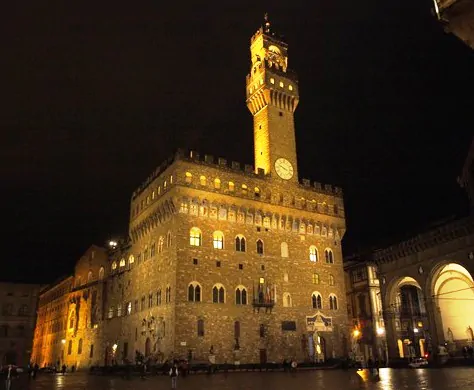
[[224, 261]]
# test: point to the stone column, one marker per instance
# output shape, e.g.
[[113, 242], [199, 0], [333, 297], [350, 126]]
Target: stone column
[[391, 334], [435, 324]]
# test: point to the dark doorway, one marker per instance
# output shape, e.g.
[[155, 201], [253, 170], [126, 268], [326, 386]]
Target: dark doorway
[[323, 346], [147, 347], [263, 356]]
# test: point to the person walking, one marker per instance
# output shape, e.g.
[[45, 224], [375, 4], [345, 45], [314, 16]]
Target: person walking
[[9, 374], [174, 375]]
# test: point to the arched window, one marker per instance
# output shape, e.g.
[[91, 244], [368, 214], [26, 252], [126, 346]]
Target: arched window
[[200, 328], [129, 308], [194, 292], [332, 302], [240, 295], [287, 302], [150, 300], [101, 273], [161, 241], [240, 243], [218, 240], [244, 189], [168, 239], [315, 278], [284, 249], [158, 297], [202, 180], [79, 347], [142, 303], [217, 184], [231, 186], [329, 256], [316, 300], [260, 247], [313, 254], [89, 277], [257, 192], [195, 237], [122, 262], [331, 280], [218, 294], [131, 260], [188, 177], [168, 294], [111, 312], [72, 319]]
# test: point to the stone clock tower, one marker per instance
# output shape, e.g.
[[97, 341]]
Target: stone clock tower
[[272, 97]]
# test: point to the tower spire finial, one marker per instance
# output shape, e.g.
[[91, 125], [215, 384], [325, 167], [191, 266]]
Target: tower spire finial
[[266, 27]]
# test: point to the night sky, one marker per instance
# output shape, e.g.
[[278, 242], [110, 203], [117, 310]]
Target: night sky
[[94, 98]]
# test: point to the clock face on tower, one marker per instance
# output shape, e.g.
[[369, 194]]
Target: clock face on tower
[[283, 168]]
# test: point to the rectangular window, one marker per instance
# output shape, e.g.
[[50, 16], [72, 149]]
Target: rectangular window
[[288, 325], [125, 350], [195, 261], [262, 330], [315, 279], [218, 263], [237, 330], [69, 347], [200, 328]]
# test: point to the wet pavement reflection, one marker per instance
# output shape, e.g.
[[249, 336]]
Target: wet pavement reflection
[[407, 379]]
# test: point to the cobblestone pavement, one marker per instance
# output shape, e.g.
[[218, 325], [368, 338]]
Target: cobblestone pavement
[[416, 379]]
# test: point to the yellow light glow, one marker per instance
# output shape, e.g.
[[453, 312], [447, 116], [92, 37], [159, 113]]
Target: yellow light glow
[[356, 333], [380, 331]]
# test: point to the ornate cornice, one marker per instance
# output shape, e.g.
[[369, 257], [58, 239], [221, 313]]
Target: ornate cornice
[[425, 240]]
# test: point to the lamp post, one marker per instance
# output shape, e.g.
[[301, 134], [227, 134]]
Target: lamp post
[[63, 343], [355, 346]]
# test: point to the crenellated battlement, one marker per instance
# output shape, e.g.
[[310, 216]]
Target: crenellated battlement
[[229, 166]]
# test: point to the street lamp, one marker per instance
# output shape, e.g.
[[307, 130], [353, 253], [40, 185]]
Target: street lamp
[[63, 342], [356, 333], [380, 331]]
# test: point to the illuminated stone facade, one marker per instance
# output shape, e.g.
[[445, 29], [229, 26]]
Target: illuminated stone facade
[[69, 314], [18, 304], [225, 262]]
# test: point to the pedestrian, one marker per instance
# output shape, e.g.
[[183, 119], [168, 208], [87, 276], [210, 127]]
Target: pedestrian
[[9, 375], [174, 375]]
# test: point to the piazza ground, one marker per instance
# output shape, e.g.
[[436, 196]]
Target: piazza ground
[[426, 379]]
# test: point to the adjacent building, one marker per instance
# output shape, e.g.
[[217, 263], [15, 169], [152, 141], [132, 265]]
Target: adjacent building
[[18, 304], [417, 293], [224, 261]]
